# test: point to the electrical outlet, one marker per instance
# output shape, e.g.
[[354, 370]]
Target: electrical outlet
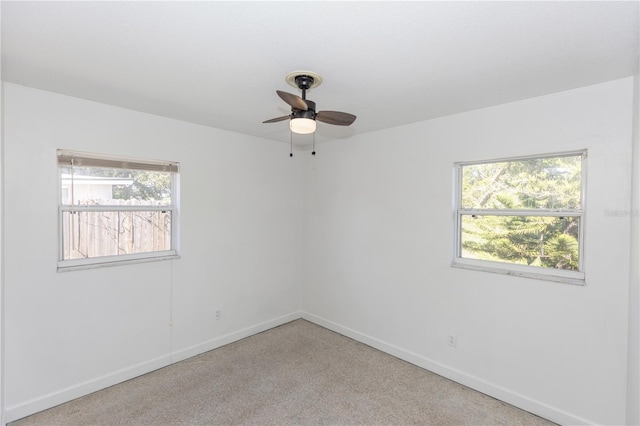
[[453, 340], [218, 314]]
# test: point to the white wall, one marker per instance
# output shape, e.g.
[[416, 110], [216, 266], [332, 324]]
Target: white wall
[[70, 333], [2, 421], [381, 244], [633, 359]]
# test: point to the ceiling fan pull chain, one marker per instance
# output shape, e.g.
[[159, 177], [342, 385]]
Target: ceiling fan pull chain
[[291, 141], [314, 144]]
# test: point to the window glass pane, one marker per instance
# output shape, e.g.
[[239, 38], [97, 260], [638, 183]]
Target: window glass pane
[[537, 183], [544, 241], [94, 234], [108, 186]]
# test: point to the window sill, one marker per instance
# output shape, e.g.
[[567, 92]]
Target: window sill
[[107, 261], [555, 275]]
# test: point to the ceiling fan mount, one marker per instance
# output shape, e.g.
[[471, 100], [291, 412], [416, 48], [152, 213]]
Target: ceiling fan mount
[[308, 79], [304, 82]]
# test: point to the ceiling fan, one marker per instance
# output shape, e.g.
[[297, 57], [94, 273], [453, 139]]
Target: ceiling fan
[[303, 115]]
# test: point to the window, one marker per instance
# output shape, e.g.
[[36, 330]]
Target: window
[[115, 210], [522, 216]]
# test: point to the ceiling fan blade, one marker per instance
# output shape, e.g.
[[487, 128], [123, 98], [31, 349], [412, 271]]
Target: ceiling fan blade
[[336, 117], [275, 120], [293, 100]]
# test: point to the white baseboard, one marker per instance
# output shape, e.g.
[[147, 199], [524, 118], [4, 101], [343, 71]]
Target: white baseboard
[[44, 402], [61, 396], [521, 401], [232, 337]]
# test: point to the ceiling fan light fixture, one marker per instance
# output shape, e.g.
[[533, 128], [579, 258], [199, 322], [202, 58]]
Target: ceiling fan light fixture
[[302, 126]]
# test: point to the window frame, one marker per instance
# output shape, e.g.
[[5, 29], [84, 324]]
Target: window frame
[[126, 163], [536, 272]]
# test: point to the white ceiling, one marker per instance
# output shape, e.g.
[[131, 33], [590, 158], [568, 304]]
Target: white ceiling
[[389, 63]]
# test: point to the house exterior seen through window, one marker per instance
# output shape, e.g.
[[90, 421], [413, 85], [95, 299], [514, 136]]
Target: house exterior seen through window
[[114, 210], [522, 216]]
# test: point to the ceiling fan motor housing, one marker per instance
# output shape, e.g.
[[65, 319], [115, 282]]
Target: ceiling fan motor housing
[[309, 113]]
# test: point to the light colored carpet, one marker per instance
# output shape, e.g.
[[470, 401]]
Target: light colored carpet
[[295, 374]]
